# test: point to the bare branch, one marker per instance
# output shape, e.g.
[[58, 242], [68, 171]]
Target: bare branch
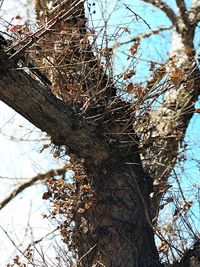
[[165, 132], [166, 126], [137, 16], [183, 10], [22, 187], [181, 5], [144, 35], [165, 8], [87, 253]]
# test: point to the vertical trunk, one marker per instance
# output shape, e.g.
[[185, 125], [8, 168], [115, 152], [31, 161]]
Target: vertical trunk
[[118, 229], [115, 229]]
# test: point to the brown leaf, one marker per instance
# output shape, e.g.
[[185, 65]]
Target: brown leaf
[[90, 33], [127, 30], [18, 17], [130, 88], [85, 187], [46, 195], [128, 74], [134, 48], [169, 200], [139, 92], [176, 75]]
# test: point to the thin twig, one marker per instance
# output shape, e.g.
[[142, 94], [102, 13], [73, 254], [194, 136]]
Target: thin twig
[[144, 35], [86, 253], [33, 38], [35, 242], [138, 16], [29, 183]]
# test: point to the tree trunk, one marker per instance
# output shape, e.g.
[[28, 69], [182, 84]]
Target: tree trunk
[[113, 225], [118, 230], [118, 222]]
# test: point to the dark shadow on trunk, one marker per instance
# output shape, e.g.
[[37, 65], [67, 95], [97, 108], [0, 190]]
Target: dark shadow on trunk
[[118, 225]]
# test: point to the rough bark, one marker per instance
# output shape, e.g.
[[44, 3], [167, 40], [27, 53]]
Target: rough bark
[[168, 123], [191, 257], [119, 225], [36, 103]]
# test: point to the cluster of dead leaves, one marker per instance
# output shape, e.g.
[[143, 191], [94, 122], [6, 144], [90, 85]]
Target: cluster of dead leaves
[[175, 74], [135, 89], [17, 28], [68, 91], [70, 200]]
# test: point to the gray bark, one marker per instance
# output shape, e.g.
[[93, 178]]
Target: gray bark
[[37, 104], [164, 129]]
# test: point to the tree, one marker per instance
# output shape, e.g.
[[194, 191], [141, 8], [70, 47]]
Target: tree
[[122, 161]]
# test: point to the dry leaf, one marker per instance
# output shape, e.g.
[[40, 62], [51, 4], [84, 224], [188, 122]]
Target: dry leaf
[[134, 48], [127, 30], [130, 88], [139, 92], [46, 195], [80, 210], [177, 76]]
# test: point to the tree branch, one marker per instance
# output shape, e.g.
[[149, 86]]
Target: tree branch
[[144, 35], [37, 104], [137, 16], [165, 8], [194, 12], [181, 5], [163, 130], [183, 10], [22, 187]]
